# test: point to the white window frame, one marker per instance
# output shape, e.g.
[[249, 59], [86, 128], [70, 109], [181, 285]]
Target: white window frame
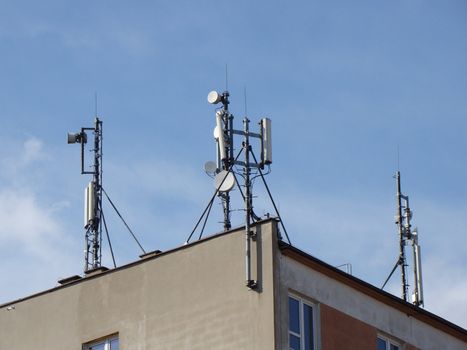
[[106, 341], [314, 308], [389, 342]]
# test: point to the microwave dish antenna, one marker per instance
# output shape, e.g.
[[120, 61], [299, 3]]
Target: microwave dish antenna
[[224, 181]]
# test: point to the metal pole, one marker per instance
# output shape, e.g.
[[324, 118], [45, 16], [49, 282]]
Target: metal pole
[[248, 206], [228, 127], [399, 223]]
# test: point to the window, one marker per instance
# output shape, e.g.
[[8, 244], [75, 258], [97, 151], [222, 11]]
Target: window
[[383, 343], [109, 343], [301, 324]]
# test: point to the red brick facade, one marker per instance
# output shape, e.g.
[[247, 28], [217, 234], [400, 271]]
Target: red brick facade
[[340, 331]]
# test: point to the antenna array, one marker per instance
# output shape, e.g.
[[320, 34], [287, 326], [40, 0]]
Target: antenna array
[[225, 161], [407, 236], [92, 196]]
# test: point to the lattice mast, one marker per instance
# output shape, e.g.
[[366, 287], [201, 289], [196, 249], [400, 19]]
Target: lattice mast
[[403, 224], [92, 196], [407, 236]]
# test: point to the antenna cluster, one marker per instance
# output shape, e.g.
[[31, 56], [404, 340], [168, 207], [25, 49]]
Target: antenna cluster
[[224, 176], [222, 170], [92, 196], [407, 236]]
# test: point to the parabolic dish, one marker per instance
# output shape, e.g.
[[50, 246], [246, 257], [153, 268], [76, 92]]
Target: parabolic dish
[[210, 167], [227, 184], [214, 97]]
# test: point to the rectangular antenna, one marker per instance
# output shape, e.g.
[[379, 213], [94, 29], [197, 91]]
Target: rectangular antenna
[[89, 203], [417, 271], [266, 141], [220, 139]]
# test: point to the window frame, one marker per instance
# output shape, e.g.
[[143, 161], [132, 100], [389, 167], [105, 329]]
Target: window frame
[[104, 340], [388, 341], [314, 319]]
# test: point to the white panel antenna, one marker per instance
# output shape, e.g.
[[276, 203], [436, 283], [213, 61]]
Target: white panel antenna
[[266, 141], [89, 204], [417, 261], [220, 138]]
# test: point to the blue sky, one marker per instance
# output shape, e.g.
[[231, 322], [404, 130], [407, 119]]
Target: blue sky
[[345, 83]]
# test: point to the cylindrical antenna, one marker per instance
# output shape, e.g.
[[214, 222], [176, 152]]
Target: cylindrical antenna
[[417, 262], [221, 135], [266, 142]]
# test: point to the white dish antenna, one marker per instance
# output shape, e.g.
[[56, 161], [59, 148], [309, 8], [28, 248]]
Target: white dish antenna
[[214, 97], [210, 167], [224, 181]]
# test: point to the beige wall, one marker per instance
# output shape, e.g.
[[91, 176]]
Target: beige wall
[[191, 298]]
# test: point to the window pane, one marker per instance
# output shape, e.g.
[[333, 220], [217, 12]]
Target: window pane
[[100, 346], [308, 326], [394, 347], [294, 315], [381, 344], [114, 344], [294, 342]]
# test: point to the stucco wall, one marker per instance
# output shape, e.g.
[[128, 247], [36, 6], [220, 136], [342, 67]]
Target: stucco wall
[[192, 298]]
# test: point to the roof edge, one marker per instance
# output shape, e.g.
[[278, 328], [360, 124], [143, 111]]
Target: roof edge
[[74, 280], [372, 291]]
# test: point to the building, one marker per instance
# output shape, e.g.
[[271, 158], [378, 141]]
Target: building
[[195, 297]]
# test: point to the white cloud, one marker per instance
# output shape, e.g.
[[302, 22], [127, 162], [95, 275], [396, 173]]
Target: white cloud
[[446, 290], [28, 226], [33, 242], [14, 162]]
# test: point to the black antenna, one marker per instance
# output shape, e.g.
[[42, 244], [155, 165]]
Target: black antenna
[[398, 158], [226, 78], [95, 104], [404, 230], [244, 96], [249, 235]]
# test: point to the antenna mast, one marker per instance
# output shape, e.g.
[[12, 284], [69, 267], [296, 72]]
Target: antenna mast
[[225, 150], [92, 196], [224, 134], [407, 236], [404, 230]]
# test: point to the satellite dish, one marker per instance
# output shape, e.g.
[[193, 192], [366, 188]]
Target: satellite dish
[[227, 184], [214, 97], [210, 167]]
